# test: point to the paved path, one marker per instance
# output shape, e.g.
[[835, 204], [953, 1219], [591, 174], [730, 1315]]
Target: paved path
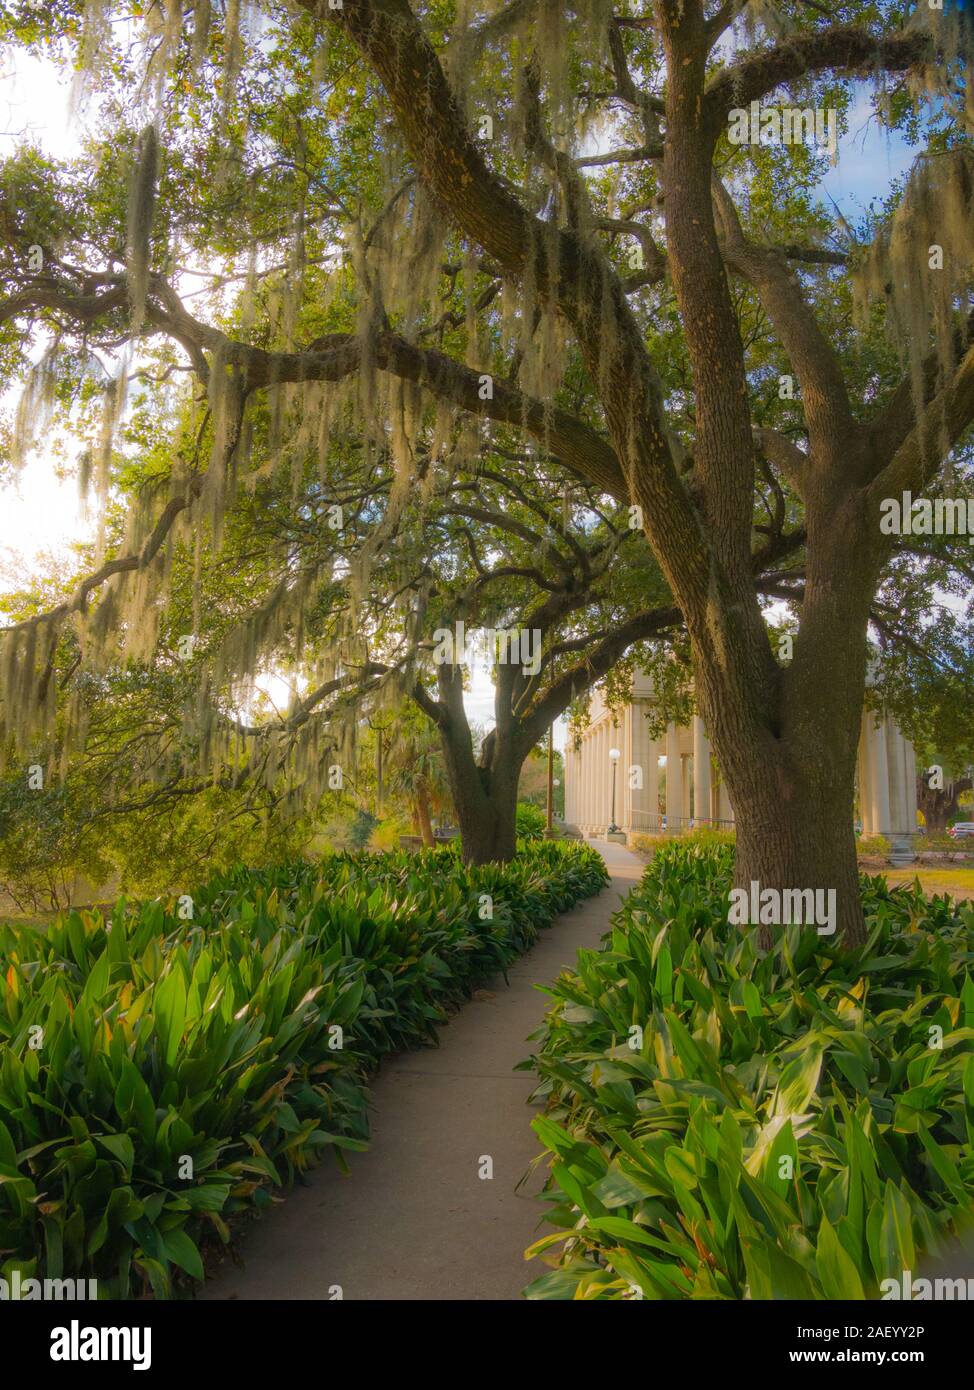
[[414, 1220]]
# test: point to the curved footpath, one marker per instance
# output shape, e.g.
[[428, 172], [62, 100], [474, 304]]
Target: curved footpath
[[414, 1219]]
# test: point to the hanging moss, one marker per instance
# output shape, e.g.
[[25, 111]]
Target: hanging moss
[[411, 444], [141, 205], [934, 221], [949, 75], [35, 407]]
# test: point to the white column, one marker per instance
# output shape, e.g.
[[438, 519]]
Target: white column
[[701, 773], [598, 817], [593, 806], [624, 809], [911, 786], [606, 774], [866, 773], [880, 776], [579, 804], [685, 783], [674, 782], [637, 758], [725, 807], [897, 773], [651, 782], [585, 809], [585, 782], [618, 742]]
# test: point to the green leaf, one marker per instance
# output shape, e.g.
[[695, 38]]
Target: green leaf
[[183, 1253], [897, 1251], [838, 1273], [798, 1082]]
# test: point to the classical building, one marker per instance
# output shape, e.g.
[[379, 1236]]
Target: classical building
[[649, 798]]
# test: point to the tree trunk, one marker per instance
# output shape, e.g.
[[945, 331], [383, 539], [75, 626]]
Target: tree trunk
[[421, 807], [791, 775], [939, 805], [485, 790], [488, 817], [803, 842]]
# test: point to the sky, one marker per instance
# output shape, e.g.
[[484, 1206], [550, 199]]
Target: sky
[[39, 511], [870, 160], [42, 513]]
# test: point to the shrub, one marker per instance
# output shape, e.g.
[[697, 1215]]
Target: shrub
[[360, 828], [728, 1122], [531, 821], [705, 837], [943, 841], [646, 843], [385, 835], [873, 844], [164, 1072]]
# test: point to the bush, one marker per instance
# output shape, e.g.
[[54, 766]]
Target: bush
[[531, 821], [386, 834], [728, 1122], [360, 828], [944, 842], [164, 1072], [873, 844], [705, 837]]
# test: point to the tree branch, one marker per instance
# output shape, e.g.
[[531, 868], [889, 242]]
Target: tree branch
[[842, 46]]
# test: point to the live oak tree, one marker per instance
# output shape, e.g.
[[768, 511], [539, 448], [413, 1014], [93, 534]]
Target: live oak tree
[[482, 549], [631, 309], [475, 544]]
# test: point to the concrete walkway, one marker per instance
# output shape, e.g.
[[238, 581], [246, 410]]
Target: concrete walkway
[[414, 1220]]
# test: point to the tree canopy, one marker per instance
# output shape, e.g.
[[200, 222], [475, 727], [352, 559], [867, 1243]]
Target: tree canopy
[[376, 318]]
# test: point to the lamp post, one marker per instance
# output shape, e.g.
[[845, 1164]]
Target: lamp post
[[614, 756]]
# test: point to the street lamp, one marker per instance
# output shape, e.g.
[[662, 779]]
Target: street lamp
[[614, 756]]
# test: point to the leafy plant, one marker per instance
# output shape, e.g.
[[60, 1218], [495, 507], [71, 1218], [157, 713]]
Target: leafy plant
[[530, 821], [164, 1072], [728, 1122]]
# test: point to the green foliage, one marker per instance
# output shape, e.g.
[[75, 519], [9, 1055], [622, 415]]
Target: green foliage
[[531, 821], [873, 844], [40, 851], [705, 837], [56, 839], [784, 1126], [167, 1038], [362, 825], [386, 834]]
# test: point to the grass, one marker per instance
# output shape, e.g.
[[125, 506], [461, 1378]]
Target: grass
[[955, 882]]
